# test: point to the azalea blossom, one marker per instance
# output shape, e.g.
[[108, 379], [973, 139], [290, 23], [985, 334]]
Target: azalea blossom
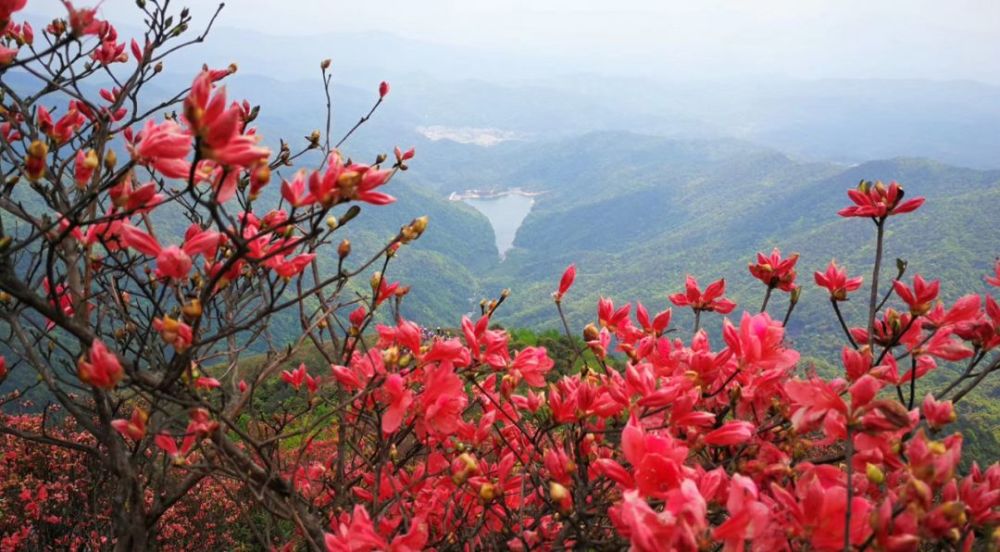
[[8, 8], [299, 376], [163, 147], [82, 21], [402, 156], [7, 55], [731, 433], [759, 342], [920, 297], [399, 398], [879, 201], [938, 413], [219, 126], [710, 300], [100, 368], [442, 400], [531, 364], [125, 196], [135, 427], [835, 280], [174, 332], [774, 271]]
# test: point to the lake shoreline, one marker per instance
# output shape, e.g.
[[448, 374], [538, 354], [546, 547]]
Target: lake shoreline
[[505, 210]]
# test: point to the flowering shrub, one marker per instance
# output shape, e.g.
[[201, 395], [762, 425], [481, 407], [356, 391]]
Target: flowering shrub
[[52, 495], [184, 425]]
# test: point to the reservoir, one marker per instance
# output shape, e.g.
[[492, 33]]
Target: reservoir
[[506, 212]]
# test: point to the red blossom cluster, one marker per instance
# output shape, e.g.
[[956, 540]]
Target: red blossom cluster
[[54, 499]]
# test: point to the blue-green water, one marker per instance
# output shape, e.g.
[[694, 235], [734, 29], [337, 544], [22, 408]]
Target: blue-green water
[[506, 213]]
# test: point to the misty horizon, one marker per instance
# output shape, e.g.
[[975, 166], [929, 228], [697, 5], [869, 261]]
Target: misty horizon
[[672, 40]]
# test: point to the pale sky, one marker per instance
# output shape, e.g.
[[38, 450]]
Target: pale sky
[[937, 39]]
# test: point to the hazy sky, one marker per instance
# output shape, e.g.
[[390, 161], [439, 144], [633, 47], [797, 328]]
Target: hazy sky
[[939, 39]]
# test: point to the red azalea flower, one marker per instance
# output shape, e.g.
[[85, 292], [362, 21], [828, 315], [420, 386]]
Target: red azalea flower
[[399, 398], [920, 297], [774, 271], [878, 201], [735, 432], [710, 300], [101, 369], [135, 427], [835, 280]]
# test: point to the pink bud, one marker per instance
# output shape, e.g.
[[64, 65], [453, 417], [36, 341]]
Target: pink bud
[[567, 281], [136, 50]]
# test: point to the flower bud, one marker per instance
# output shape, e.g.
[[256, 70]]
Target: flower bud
[[469, 461], [557, 491], [413, 230], [325, 64], [344, 249], [419, 224], [901, 267], [331, 222], [34, 164], [191, 310], [259, 178], [110, 159], [376, 281], [169, 329], [590, 332], [390, 356], [560, 495], [487, 492], [875, 475]]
